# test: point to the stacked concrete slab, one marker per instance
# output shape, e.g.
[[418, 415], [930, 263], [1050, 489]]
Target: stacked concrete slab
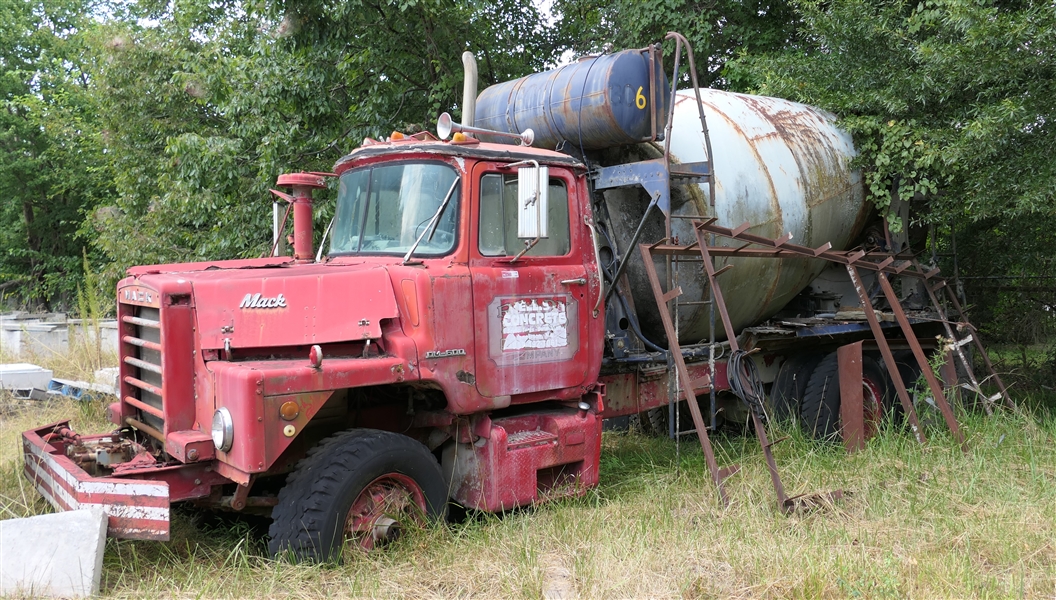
[[37, 383], [28, 333], [19, 376]]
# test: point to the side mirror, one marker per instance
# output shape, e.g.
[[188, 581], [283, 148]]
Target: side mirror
[[533, 189]]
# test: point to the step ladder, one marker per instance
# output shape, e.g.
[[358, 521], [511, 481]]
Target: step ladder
[[686, 386], [655, 177]]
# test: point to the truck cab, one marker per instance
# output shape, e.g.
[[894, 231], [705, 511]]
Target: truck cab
[[431, 330]]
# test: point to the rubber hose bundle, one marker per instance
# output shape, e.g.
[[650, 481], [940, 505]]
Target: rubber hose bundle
[[745, 382]]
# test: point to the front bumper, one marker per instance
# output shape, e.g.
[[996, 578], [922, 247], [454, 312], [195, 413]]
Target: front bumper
[[137, 508]]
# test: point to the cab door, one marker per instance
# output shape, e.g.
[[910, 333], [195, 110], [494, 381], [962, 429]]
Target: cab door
[[533, 316]]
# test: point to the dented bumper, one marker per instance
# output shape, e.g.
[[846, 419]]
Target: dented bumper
[[137, 508]]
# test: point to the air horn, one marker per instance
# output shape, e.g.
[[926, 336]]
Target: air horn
[[444, 127]]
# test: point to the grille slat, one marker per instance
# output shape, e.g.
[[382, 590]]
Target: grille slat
[[143, 406], [148, 362], [143, 385], [152, 323], [142, 364], [141, 343]]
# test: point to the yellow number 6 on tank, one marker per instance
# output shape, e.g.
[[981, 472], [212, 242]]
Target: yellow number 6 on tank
[[639, 99]]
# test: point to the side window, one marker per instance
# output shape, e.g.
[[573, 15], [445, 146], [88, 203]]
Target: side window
[[498, 218]]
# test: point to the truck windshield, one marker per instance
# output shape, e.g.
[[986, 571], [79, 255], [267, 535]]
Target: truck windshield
[[383, 209]]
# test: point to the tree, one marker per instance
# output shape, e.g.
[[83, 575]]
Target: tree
[[952, 104], [205, 107], [717, 29], [51, 168]]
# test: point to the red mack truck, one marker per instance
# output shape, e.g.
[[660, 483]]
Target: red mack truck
[[486, 300]]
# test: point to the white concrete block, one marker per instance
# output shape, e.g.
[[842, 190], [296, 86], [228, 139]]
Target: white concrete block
[[21, 334], [24, 375], [46, 338], [10, 339], [109, 376], [60, 554]]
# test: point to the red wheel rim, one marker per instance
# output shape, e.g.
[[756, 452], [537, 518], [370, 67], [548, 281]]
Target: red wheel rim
[[872, 407], [381, 510]]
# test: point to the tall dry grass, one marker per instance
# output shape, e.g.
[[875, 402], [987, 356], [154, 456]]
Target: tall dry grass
[[920, 521]]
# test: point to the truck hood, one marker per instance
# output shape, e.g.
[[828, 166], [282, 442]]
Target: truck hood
[[293, 306]]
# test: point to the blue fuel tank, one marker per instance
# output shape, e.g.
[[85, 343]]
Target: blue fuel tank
[[598, 102]]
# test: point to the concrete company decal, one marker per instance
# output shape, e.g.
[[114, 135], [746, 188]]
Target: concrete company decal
[[259, 301], [533, 324]]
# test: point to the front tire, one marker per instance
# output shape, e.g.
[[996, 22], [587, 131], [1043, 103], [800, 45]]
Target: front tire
[[362, 485]]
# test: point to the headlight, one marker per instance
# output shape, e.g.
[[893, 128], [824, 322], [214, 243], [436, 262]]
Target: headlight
[[223, 429]]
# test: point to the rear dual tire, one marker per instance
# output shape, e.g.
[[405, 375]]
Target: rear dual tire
[[820, 410], [786, 395]]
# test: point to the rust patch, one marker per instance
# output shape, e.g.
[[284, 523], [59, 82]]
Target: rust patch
[[775, 205], [805, 504], [466, 377]]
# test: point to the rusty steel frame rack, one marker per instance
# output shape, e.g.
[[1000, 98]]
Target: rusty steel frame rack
[[883, 264]]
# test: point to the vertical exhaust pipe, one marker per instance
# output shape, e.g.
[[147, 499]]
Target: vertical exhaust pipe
[[469, 89], [275, 226], [303, 230]]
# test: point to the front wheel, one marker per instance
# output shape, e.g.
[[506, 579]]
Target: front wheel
[[362, 485]]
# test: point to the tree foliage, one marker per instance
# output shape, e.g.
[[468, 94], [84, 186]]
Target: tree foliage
[[208, 104], [717, 29], [951, 102], [51, 167]]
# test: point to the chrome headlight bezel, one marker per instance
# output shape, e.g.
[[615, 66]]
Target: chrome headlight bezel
[[223, 429]]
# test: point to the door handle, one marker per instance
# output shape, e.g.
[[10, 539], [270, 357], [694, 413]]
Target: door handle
[[580, 281]]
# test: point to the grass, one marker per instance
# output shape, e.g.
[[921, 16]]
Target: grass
[[920, 521]]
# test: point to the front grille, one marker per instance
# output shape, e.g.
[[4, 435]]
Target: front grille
[[143, 354]]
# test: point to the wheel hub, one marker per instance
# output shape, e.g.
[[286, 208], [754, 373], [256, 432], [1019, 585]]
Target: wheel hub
[[873, 408], [379, 511]]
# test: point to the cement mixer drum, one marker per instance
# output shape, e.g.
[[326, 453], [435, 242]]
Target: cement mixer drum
[[779, 165]]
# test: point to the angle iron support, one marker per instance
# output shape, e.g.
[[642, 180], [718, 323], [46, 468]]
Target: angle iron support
[[937, 392], [716, 291], [773, 247], [982, 351], [957, 350], [760, 430], [717, 474], [885, 351]]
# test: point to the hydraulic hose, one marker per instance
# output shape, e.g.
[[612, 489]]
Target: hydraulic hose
[[745, 382], [632, 318]]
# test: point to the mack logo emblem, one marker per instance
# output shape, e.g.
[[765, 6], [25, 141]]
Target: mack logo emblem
[[138, 296], [445, 353], [258, 301]]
